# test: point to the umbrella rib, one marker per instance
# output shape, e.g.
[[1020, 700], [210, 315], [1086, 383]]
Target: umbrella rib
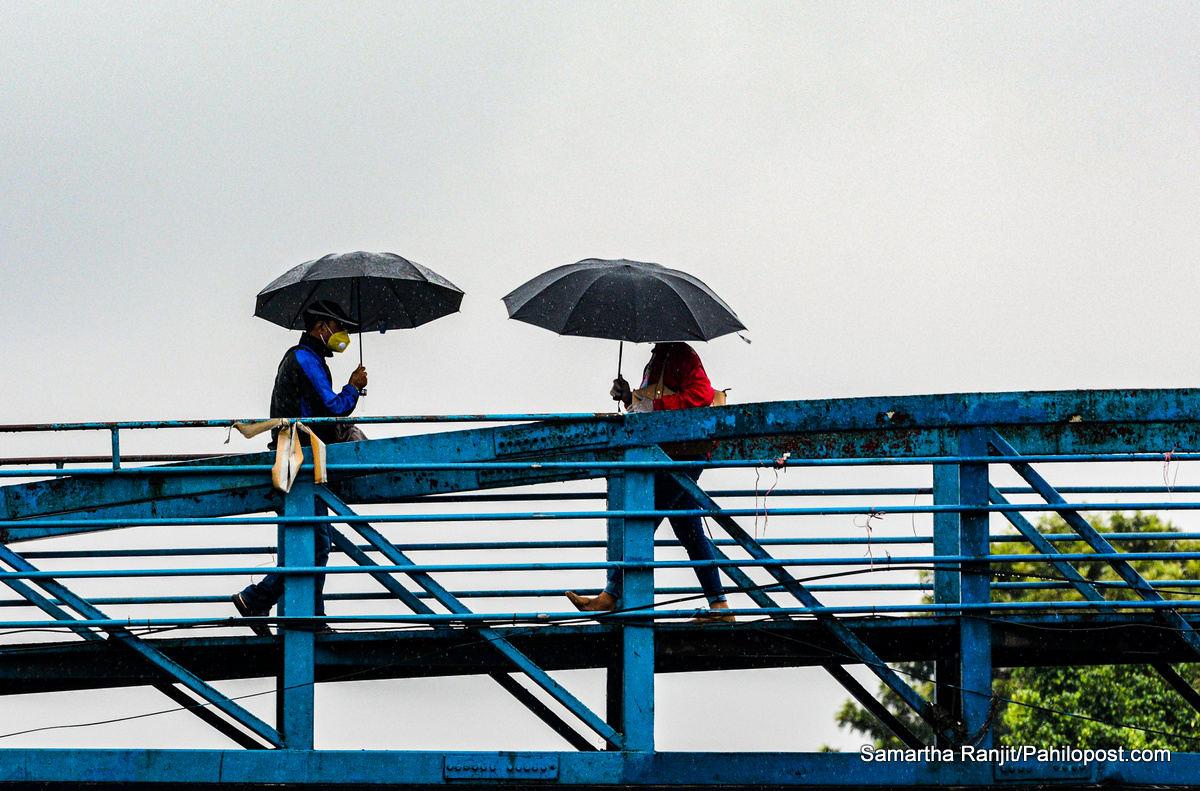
[[407, 315], [304, 302], [579, 302], [687, 311], [730, 320], [566, 272]]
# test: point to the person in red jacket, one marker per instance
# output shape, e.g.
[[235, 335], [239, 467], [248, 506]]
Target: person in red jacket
[[673, 367]]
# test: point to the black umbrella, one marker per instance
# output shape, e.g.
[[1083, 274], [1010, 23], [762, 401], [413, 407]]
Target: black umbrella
[[381, 291], [622, 301]]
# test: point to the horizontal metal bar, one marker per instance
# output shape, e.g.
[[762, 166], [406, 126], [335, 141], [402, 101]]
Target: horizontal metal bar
[[548, 618], [561, 515], [517, 593], [605, 465], [48, 768], [884, 563], [537, 593], [456, 546], [515, 417], [750, 463], [169, 457]]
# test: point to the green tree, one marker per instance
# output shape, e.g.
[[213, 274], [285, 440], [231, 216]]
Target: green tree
[[1134, 695]]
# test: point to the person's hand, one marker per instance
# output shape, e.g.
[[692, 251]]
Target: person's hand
[[358, 379], [645, 405], [621, 390]]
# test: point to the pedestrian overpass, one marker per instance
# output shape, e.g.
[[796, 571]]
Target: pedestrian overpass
[[415, 591]]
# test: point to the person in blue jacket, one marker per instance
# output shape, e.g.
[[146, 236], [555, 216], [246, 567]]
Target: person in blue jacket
[[304, 388]]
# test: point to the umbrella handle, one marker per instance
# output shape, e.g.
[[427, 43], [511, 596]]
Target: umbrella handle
[[361, 334], [620, 354], [358, 293]]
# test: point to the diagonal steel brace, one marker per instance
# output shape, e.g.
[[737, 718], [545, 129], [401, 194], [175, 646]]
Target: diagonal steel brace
[[190, 704], [164, 663], [1097, 542], [510, 685], [868, 702], [748, 586], [941, 722], [495, 638], [1086, 589]]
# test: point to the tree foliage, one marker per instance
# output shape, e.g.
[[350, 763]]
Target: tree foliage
[[1106, 697]]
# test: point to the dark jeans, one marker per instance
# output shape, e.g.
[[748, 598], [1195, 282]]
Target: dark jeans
[[263, 595], [690, 532]]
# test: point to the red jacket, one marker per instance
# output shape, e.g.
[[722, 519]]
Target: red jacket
[[685, 375]]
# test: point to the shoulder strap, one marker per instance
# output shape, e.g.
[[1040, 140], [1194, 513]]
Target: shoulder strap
[[662, 373]]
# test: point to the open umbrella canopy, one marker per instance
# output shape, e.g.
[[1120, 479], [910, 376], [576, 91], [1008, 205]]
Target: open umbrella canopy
[[622, 301], [380, 291]]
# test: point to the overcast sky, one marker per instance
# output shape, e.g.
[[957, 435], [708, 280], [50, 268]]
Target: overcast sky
[[895, 197]]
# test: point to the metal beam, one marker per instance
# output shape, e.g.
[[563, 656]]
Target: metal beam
[[492, 636], [1136, 582], [974, 633], [341, 541], [938, 719], [637, 595], [868, 702], [1178, 683], [175, 694], [151, 654], [410, 600], [201, 709], [295, 696], [1034, 536], [351, 769], [542, 712], [1086, 588], [947, 584]]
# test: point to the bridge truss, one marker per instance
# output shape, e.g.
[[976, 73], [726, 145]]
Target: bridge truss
[[403, 620]]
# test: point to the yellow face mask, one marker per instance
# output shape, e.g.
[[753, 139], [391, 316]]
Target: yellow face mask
[[338, 342]]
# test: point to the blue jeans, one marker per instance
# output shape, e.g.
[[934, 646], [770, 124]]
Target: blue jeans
[[690, 532], [264, 595]]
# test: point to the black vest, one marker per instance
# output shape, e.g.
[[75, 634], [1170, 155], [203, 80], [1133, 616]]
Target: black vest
[[292, 387]]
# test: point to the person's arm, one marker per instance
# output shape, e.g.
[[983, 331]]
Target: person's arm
[[694, 387], [338, 404]]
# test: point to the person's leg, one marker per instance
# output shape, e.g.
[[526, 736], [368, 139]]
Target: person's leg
[[322, 544], [262, 596], [606, 600], [690, 532], [615, 581], [256, 601]]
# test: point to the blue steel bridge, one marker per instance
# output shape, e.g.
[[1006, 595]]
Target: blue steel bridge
[[413, 595]]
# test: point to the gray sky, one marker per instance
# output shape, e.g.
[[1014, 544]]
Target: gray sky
[[895, 197]]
